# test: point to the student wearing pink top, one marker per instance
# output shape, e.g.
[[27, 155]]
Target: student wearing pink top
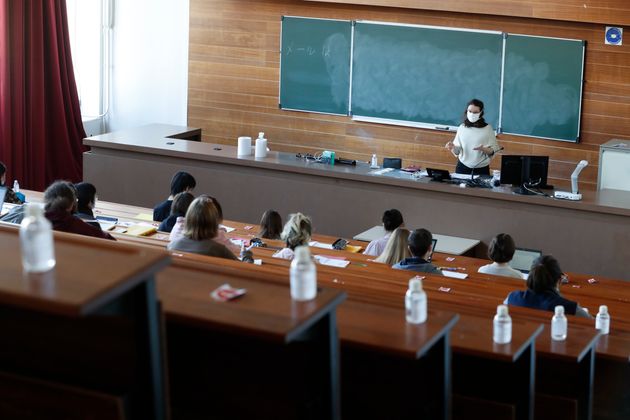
[[392, 219], [178, 229]]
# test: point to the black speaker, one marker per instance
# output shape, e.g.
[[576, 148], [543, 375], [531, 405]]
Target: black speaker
[[395, 163]]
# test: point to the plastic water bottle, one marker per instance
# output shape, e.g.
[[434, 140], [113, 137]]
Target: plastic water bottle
[[496, 178], [602, 321], [502, 331], [303, 275], [16, 186], [36, 239], [559, 324], [374, 163], [415, 302]]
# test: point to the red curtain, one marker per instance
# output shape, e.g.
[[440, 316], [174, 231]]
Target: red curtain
[[41, 131]]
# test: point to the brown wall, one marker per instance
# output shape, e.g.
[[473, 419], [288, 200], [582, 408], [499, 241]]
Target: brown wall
[[234, 72]]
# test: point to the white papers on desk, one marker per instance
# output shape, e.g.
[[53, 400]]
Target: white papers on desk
[[237, 242], [106, 225], [463, 176], [381, 171], [333, 262], [454, 274], [227, 228], [320, 245]]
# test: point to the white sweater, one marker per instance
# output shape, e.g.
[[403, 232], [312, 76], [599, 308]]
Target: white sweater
[[467, 138], [501, 270]]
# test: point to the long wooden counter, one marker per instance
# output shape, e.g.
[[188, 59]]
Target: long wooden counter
[[136, 168]]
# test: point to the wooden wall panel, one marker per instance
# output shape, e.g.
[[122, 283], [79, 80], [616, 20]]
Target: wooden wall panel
[[234, 73], [593, 11]]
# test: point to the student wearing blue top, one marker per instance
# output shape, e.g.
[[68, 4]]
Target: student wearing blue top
[[475, 143], [420, 248], [543, 289], [181, 182], [180, 205]]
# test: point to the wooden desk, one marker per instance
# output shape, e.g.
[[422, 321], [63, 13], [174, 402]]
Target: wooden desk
[[474, 339], [217, 369], [90, 326], [393, 369], [445, 244], [576, 354], [287, 184]]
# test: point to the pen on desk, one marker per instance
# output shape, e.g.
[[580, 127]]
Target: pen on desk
[[452, 268], [442, 128]]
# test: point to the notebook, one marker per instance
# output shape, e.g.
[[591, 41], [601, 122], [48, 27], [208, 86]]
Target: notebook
[[523, 259]]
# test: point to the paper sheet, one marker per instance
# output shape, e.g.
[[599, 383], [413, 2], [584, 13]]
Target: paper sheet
[[454, 274], [227, 228], [144, 216], [320, 245], [331, 262]]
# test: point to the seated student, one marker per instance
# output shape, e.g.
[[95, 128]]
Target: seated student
[[60, 202], [543, 289], [11, 196], [391, 220], [397, 248], [270, 225], [296, 232], [181, 182], [201, 229], [180, 205], [501, 251], [420, 248], [179, 227], [86, 201]]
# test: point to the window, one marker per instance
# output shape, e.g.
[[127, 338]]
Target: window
[[89, 26]]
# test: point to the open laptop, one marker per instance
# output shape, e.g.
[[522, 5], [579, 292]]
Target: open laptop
[[433, 245], [438, 174], [3, 193], [523, 259]]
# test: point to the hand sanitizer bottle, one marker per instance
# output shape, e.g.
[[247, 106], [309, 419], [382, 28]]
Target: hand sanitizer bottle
[[303, 274], [36, 239], [602, 321], [559, 324], [415, 302], [502, 331]]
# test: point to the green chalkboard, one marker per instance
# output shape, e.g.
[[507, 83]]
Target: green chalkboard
[[315, 65], [543, 87], [424, 75]]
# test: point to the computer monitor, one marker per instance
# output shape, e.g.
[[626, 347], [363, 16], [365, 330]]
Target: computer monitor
[[524, 171]]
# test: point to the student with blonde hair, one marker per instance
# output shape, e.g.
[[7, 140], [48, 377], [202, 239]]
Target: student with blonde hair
[[397, 247], [201, 229], [296, 232]]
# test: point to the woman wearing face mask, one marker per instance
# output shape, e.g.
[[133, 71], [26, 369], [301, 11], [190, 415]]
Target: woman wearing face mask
[[475, 142]]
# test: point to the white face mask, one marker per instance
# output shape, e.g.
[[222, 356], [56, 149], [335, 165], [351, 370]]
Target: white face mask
[[472, 117]]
